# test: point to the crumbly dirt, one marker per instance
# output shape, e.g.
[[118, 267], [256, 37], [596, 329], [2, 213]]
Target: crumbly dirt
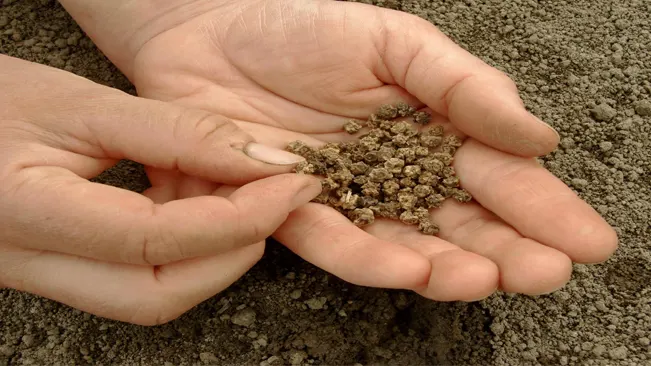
[[582, 65]]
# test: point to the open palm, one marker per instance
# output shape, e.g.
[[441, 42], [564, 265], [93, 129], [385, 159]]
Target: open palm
[[297, 70]]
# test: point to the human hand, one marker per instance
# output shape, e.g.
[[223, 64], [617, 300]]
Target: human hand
[[143, 259], [296, 70]]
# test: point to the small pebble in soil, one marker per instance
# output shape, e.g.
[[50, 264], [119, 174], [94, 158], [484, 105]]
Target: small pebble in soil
[[296, 357], [618, 353], [6, 350], [244, 317], [391, 171], [643, 108], [208, 357], [579, 183], [28, 340], [603, 112], [316, 303], [272, 361], [605, 146]]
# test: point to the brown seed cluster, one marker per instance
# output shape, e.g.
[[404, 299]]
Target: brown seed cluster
[[391, 171]]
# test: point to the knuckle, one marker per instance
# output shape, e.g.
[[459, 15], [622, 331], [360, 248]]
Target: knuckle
[[256, 231], [505, 80], [161, 247], [472, 226], [249, 230], [156, 243], [511, 172], [210, 129]]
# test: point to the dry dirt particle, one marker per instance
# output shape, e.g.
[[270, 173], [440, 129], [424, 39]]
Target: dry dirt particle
[[352, 126], [391, 163]]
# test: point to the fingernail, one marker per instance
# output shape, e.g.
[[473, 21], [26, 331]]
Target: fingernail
[[307, 193], [547, 125], [271, 155]]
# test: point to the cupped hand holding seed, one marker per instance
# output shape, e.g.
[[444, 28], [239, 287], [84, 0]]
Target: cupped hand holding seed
[[143, 258], [298, 70]]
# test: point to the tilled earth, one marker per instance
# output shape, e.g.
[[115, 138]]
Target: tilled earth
[[582, 65]]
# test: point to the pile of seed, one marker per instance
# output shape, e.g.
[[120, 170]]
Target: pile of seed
[[392, 170]]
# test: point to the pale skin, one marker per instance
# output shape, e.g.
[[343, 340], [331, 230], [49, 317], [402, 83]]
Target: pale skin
[[280, 70]]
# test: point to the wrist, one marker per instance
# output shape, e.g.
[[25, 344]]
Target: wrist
[[120, 28]]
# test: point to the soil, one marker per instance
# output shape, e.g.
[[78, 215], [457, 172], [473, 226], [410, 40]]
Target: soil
[[581, 65]]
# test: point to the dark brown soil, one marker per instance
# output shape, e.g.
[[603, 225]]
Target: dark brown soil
[[582, 65]]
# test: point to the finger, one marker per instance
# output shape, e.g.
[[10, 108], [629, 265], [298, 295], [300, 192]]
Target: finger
[[327, 239], [196, 143], [456, 274], [534, 202], [115, 125], [77, 217], [525, 265], [137, 294], [478, 99]]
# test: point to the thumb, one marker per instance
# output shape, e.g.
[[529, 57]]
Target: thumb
[[479, 100]]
